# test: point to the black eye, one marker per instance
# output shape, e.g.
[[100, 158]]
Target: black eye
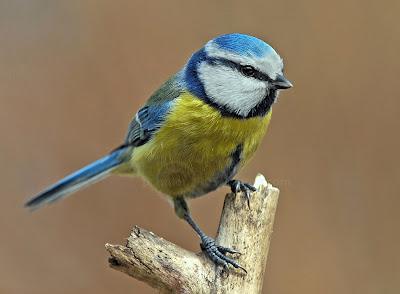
[[248, 70]]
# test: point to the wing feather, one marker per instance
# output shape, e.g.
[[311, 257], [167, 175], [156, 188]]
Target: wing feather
[[151, 116]]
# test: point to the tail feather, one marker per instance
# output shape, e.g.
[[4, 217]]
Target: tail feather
[[80, 179]]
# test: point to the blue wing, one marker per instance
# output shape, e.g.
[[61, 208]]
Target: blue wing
[[151, 116]]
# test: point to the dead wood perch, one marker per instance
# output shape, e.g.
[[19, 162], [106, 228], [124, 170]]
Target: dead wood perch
[[172, 269]]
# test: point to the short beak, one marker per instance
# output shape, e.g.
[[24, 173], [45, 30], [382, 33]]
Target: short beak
[[281, 82]]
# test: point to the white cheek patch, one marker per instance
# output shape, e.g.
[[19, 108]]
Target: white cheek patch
[[227, 87]]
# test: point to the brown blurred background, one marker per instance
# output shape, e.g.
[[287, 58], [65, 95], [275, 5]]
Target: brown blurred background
[[72, 74]]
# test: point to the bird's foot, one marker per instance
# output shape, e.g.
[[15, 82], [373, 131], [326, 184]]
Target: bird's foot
[[238, 186], [217, 253]]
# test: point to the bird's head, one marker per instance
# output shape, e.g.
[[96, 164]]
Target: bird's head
[[239, 74]]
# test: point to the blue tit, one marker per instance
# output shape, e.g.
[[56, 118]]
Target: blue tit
[[197, 131]]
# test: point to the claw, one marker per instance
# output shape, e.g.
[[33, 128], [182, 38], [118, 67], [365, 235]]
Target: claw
[[251, 187], [247, 194], [236, 265], [225, 250], [243, 269], [237, 186], [217, 253]]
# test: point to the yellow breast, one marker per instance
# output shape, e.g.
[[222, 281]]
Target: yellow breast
[[195, 144]]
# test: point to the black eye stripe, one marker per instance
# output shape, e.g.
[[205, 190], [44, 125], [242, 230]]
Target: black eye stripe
[[257, 74]]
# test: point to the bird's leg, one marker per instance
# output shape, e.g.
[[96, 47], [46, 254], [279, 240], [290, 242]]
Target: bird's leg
[[215, 252], [238, 186]]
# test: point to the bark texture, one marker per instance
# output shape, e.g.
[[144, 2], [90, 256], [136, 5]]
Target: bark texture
[[172, 269]]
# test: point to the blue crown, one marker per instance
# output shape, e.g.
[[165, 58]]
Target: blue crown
[[243, 44]]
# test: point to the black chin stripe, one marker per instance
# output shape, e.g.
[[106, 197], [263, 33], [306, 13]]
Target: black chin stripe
[[260, 109], [264, 106]]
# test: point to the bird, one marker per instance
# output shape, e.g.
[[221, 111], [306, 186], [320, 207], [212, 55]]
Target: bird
[[196, 131]]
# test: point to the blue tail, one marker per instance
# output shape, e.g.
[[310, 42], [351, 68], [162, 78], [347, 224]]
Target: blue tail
[[82, 178]]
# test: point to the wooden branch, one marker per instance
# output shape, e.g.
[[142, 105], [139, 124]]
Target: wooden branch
[[172, 269]]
